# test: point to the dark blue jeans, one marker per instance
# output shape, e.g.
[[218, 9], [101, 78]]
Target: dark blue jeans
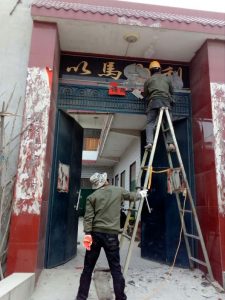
[[110, 244]]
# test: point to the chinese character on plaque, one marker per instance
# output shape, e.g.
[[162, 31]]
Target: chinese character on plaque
[[109, 70], [82, 66]]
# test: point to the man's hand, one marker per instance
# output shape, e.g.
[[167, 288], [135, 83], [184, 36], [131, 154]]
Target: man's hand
[[142, 194], [87, 241]]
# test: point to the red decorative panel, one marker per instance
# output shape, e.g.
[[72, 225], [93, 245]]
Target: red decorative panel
[[222, 235], [23, 246], [207, 145]]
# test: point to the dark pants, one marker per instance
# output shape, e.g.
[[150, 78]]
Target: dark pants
[[110, 244], [123, 218], [152, 119]]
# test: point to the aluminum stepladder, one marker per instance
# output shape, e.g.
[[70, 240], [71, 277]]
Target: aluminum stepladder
[[182, 211]]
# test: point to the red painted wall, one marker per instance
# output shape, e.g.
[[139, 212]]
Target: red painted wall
[[28, 231], [202, 72], [216, 52]]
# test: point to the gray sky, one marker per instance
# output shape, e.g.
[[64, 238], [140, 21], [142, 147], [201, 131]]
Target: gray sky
[[207, 5]]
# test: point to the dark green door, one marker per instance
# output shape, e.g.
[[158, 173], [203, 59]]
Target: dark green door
[[61, 244]]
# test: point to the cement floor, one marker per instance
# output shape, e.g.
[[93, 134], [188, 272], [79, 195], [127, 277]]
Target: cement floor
[[146, 280]]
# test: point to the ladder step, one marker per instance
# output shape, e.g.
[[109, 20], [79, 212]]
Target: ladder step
[[185, 210], [131, 209], [199, 261], [126, 236], [166, 129], [158, 169], [144, 168], [192, 236]]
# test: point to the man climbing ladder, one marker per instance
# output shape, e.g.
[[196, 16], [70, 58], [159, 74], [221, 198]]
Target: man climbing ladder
[[158, 92], [146, 167]]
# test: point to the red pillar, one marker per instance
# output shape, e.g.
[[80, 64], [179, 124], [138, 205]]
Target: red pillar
[[216, 51], [208, 98], [26, 250]]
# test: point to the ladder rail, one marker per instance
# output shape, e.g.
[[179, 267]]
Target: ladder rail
[[142, 167], [189, 195], [153, 148], [131, 206], [185, 232], [127, 261], [124, 232], [152, 153], [179, 206], [181, 209]]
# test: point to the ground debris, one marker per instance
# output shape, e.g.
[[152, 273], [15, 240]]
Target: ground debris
[[131, 282], [205, 283], [103, 288]]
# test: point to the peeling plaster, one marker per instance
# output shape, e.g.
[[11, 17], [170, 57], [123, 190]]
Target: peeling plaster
[[129, 21], [31, 166], [218, 113]]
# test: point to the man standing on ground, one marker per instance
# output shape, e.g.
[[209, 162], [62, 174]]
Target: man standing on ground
[[158, 92], [101, 227]]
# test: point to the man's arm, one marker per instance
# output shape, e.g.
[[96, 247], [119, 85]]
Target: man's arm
[[171, 89], [131, 196], [89, 215], [145, 92]]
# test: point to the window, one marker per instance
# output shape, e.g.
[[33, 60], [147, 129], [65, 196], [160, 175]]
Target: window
[[122, 179], [133, 177], [91, 139], [117, 180], [91, 144]]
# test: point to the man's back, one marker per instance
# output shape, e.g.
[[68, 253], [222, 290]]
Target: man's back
[[103, 209], [158, 85], [101, 226]]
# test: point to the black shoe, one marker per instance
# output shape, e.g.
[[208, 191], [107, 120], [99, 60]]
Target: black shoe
[[171, 147], [148, 146]]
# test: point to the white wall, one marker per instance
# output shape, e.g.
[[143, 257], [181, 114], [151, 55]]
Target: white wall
[[15, 36], [131, 155], [88, 171]]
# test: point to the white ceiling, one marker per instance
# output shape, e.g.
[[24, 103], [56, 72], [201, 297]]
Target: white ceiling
[[123, 130], [105, 38]]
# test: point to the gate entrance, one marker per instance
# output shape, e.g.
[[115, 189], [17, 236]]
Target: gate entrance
[[121, 130]]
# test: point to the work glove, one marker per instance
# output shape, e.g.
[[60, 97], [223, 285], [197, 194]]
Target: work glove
[[87, 241], [142, 194]]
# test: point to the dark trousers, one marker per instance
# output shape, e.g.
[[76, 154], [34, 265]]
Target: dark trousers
[[152, 119], [110, 244]]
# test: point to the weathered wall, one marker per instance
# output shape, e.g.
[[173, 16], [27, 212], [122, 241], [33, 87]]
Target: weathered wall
[[207, 86], [216, 52], [28, 224], [15, 35]]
